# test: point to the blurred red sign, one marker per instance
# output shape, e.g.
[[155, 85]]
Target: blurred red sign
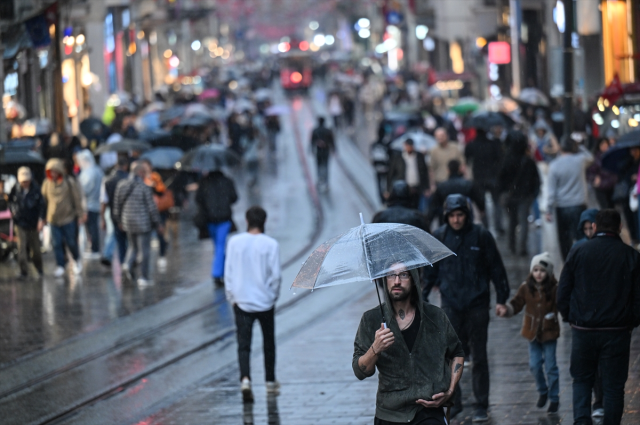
[[499, 52]]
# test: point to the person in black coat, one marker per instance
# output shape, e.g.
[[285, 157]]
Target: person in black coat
[[520, 181], [323, 145], [410, 166], [455, 184], [599, 295], [398, 210], [215, 195], [464, 280], [485, 155], [28, 209]]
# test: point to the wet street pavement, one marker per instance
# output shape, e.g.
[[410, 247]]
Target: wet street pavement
[[94, 351]]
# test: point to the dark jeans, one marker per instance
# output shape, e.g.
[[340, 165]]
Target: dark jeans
[[65, 235], [472, 326], [244, 325], [28, 242], [139, 242], [492, 188], [567, 219], [423, 417], [93, 230], [162, 241], [608, 350], [121, 241], [323, 169], [518, 212]]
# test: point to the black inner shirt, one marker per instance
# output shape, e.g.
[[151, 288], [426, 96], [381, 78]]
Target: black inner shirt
[[411, 333]]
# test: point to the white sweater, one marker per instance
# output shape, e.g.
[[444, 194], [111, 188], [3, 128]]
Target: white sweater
[[252, 272]]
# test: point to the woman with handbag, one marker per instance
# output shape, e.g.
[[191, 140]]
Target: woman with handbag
[[164, 200]]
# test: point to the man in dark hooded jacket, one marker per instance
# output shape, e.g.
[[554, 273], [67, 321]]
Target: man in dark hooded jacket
[[464, 287], [585, 227], [399, 210]]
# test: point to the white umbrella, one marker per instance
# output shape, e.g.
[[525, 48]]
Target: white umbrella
[[422, 142], [277, 110], [533, 96]]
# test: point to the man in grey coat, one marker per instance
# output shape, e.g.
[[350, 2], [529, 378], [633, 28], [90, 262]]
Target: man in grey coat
[[138, 215]]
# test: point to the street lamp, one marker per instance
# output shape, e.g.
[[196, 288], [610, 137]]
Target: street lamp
[[422, 31], [195, 46], [364, 33], [319, 40], [363, 23]]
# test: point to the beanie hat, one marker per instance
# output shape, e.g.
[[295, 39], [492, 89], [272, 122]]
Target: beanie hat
[[543, 260], [24, 174]]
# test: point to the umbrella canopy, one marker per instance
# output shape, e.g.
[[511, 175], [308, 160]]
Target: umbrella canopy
[[486, 120], [466, 105], [124, 145], [616, 158], [368, 252], [172, 113], [504, 104], [422, 142], [262, 94], [157, 137], [207, 158], [277, 110], [21, 157], [533, 96], [149, 121], [164, 158], [93, 128], [197, 120], [197, 109], [208, 94]]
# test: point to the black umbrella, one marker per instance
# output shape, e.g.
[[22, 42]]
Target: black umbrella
[[164, 158], [172, 113], [486, 120], [617, 157], [125, 145], [157, 137], [195, 121], [21, 157], [208, 158], [93, 128]]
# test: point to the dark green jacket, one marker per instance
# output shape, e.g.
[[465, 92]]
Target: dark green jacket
[[403, 376]]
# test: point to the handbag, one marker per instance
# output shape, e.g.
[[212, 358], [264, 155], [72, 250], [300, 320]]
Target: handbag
[[165, 201], [621, 192]]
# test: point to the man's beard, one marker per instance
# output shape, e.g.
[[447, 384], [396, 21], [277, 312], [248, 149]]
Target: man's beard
[[398, 296]]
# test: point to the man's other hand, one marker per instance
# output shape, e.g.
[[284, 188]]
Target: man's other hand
[[501, 310], [437, 400], [384, 339]]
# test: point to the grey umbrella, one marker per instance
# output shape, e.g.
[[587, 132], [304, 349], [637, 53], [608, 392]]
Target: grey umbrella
[[124, 145], [164, 158], [207, 158]]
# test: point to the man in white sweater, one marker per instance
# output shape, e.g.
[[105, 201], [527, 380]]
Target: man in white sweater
[[252, 285]]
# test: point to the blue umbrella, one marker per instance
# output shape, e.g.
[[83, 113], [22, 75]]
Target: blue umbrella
[[617, 157], [164, 158]]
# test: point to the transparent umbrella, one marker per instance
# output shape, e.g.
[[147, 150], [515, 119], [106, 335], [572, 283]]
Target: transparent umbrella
[[368, 252]]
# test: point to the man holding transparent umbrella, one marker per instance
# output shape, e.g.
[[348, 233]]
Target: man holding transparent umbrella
[[418, 355]]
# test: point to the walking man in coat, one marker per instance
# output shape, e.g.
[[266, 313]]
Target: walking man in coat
[[28, 210], [323, 145], [65, 212], [107, 199], [417, 353], [215, 196], [252, 285], [464, 287], [599, 295], [137, 215], [567, 191], [398, 208], [410, 166]]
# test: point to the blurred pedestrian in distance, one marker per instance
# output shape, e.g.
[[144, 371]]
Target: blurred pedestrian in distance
[[215, 195], [252, 286], [628, 178], [567, 191], [456, 183], [164, 201], [545, 144], [335, 109], [399, 208], [603, 181], [272, 123], [520, 182], [585, 226], [465, 293], [323, 145], [485, 155], [410, 166], [540, 326], [138, 216], [599, 295], [441, 154], [28, 209], [65, 212], [90, 179], [417, 353], [107, 200]]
